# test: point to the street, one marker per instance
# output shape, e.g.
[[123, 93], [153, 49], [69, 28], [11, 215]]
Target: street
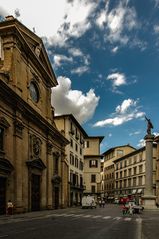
[[77, 223]]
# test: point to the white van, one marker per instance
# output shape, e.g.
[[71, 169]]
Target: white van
[[88, 202]]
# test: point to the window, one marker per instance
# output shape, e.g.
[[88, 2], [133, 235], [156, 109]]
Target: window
[[140, 169], [125, 173], [76, 162], [86, 144], [134, 181], [93, 178], [1, 139], [140, 180], [93, 163], [93, 189], [119, 153], [34, 92], [76, 147], [117, 175], [135, 171], [129, 182], [129, 171], [71, 143]]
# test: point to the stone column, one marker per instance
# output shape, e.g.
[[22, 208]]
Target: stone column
[[149, 199]]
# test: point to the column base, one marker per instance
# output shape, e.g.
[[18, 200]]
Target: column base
[[149, 202]]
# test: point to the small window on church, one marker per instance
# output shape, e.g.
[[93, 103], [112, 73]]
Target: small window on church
[[1, 138]]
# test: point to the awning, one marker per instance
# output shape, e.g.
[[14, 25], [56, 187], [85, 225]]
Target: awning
[[139, 190], [133, 191]]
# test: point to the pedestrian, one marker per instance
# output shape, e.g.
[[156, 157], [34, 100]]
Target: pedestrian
[[124, 209], [100, 203], [103, 203], [131, 209], [10, 208]]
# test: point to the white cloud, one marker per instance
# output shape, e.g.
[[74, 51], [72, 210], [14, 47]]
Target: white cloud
[[115, 49], [58, 59], [3, 12], [57, 20], [68, 101], [80, 70], [141, 143], [134, 133], [156, 29], [125, 112], [156, 3], [117, 21], [75, 52], [117, 79], [126, 104]]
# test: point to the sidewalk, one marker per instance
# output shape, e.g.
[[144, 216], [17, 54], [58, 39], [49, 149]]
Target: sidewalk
[[28, 215]]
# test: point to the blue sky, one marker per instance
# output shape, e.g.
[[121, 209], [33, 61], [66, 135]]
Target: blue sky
[[105, 55]]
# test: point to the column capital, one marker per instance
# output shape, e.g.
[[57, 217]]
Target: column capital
[[149, 137]]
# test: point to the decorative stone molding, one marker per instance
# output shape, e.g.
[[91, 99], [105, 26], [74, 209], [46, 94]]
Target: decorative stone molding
[[35, 147], [56, 179], [4, 123], [36, 163], [49, 148], [18, 127]]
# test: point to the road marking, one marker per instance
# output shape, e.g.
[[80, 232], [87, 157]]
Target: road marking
[[78, 215], [107, 217], [87, 216], [68, 215], [116, 218], [97, 216], [127, 219]]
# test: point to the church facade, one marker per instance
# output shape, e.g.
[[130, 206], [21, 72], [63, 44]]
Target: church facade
[[33, 164]]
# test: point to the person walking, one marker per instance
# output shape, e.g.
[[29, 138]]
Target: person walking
[[9, 208]]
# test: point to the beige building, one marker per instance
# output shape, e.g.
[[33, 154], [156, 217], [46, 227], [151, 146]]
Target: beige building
[[92, 166], [109, 178], [33, 167], [73, 131], [130, 173]]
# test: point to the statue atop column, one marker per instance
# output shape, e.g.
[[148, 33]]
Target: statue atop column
[[149, 125]]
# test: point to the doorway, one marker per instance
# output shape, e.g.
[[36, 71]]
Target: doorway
[[2, 195], [35, 192], [56, 197]]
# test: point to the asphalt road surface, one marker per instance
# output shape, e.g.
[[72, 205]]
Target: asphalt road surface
[[77, 223]]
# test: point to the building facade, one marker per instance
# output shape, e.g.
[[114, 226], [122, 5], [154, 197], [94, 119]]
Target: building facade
[[109, 172], [130, 174], [32, 150], [73, 131], [92, 166]]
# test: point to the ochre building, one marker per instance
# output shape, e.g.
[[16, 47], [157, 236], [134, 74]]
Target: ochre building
[[33, 165]]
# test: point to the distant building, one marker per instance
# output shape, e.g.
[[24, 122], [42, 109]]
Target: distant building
[[76, 135], [92, 166], [33, 167], [130, 174], [109, 172]]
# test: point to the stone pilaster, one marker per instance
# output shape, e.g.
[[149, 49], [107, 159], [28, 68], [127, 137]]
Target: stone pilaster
[[49, 175], [149, 199], [18, 154]]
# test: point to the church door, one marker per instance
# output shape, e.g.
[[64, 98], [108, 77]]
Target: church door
[[2, 195], [35, 192]]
